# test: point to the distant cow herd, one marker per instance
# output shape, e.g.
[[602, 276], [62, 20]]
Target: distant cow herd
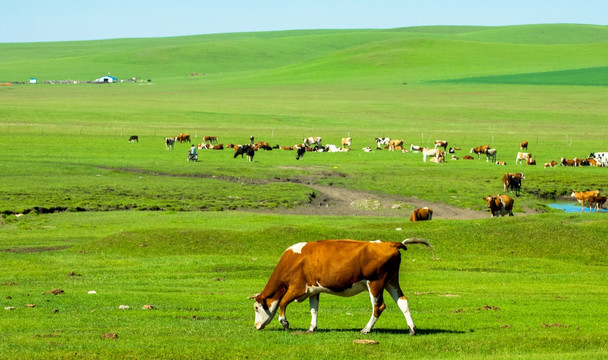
[[499, 205]]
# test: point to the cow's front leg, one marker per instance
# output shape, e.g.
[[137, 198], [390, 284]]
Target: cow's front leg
[[314, 308]]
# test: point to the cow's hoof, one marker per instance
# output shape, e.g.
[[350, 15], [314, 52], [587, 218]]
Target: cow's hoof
[[412, 331], [364, 331], [285, 324]]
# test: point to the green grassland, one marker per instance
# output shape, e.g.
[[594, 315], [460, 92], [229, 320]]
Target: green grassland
[[140, 225]]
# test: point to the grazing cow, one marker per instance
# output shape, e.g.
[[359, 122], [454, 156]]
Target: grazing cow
[[183, 138], [582, 196], [597, 201], [490, 154], [306, 270], [416, 148], [395, 145], [500, 205], [521, 156], [453, 149], [568, 162], [430, 152], [480, 150], [210, 139], [300, 152], [134, 138], [346, 142], [468, 157], [421, 214], [512, 182], [169, 143], [382, 141], [310, 141], [523, 145], [441, 143], [501, 163], [551, 163], [244, 150]]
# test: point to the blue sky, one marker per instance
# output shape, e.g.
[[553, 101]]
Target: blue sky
[[66, 20]]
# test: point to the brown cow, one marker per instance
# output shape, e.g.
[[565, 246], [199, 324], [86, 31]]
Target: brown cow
[[346, 142], [582, 196], [210, 139], [468, 157], [500, 205], [512, 182], [339, 267], [597, 201], [421, 214], [183, 138], [393, 144], [480, 150], [568, 162], [523, 145], [551, 163]]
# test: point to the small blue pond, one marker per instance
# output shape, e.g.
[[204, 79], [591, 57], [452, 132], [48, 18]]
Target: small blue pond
[[573, 207]]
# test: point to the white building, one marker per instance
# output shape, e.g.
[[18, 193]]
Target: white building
[[107, 79]]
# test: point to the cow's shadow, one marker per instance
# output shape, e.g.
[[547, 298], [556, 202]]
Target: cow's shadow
[[419, 332]]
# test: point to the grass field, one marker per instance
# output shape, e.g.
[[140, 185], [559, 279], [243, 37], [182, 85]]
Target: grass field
[[141, 226]]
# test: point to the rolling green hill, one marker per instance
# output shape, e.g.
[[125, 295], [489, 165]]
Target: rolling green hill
[[396, 55]]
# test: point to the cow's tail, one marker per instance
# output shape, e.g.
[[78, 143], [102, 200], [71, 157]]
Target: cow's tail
[[417, 241]]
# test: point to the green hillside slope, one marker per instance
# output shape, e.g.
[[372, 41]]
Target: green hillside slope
[[395, 55]]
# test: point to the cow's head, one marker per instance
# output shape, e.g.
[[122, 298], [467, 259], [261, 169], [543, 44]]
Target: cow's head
[[264, 312]]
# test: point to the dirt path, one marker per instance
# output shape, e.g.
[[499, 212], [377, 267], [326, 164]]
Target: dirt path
[[329, 200]]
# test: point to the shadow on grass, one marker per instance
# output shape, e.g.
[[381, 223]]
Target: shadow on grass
[[419, 332]]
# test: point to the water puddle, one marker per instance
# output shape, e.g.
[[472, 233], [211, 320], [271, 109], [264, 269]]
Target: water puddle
[[573, 207]]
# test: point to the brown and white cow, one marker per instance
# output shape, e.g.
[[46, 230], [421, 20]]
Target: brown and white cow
[[468, 157], [338, 267], [441, 143], [430, 153], [183, 138], [382, 141], [523, 145], [440, 158], [313, 140], [522, 156], [490, 154], [501, 163], [421, 214], [346, 142], [480, 150], [170, 143], [582, 196], [210, 139], [416, 148], [500, 205]]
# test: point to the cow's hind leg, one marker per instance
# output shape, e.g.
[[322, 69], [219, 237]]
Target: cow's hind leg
[[314, 309], [376, 288], [394, 289]]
